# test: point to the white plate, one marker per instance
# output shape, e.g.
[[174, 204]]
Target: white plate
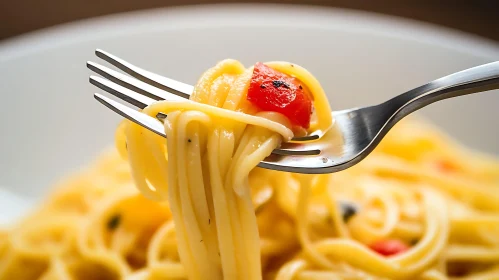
[[51, 125]]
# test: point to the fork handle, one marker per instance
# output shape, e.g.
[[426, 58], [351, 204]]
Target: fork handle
[[477, 79]]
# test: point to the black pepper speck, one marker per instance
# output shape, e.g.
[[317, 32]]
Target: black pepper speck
[[279, 83]]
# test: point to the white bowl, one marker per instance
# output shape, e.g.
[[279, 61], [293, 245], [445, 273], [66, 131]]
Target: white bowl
[[51, 125]]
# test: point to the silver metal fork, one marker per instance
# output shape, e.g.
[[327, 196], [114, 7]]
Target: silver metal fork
[[355, 134]]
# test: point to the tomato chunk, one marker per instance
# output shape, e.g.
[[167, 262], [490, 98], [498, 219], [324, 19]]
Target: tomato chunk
[[389, 247], [446, 166], [271, 90]]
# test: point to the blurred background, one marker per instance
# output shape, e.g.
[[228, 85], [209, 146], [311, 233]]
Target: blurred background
[[478, 17]]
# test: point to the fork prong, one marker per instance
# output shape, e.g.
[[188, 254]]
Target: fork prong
[[306, 138], [297, 149], [123, 93], [169, 85], [161, 116], [132, 83], [135, 116]]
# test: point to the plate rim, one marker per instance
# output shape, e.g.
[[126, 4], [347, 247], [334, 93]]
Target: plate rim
[[212, 15]]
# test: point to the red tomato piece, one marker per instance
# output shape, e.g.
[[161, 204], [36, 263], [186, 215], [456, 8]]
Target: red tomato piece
[[446, 166], [389, 247], [271, 90]]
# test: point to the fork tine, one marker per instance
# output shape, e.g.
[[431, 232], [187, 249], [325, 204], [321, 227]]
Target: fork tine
[[123, 93], [294, 149], [135, 116], [176, 87], [132, 83], [306, 138], [161, 116]]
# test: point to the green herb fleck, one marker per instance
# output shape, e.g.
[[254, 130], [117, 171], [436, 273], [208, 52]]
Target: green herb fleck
[[114, 222], [348, 210]]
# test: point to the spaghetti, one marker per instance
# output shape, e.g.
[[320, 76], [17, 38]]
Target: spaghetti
[[419, 207]]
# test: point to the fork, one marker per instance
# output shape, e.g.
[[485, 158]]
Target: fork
[[355, 133]]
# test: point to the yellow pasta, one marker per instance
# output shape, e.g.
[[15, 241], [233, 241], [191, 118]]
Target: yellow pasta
[[195, 206]]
